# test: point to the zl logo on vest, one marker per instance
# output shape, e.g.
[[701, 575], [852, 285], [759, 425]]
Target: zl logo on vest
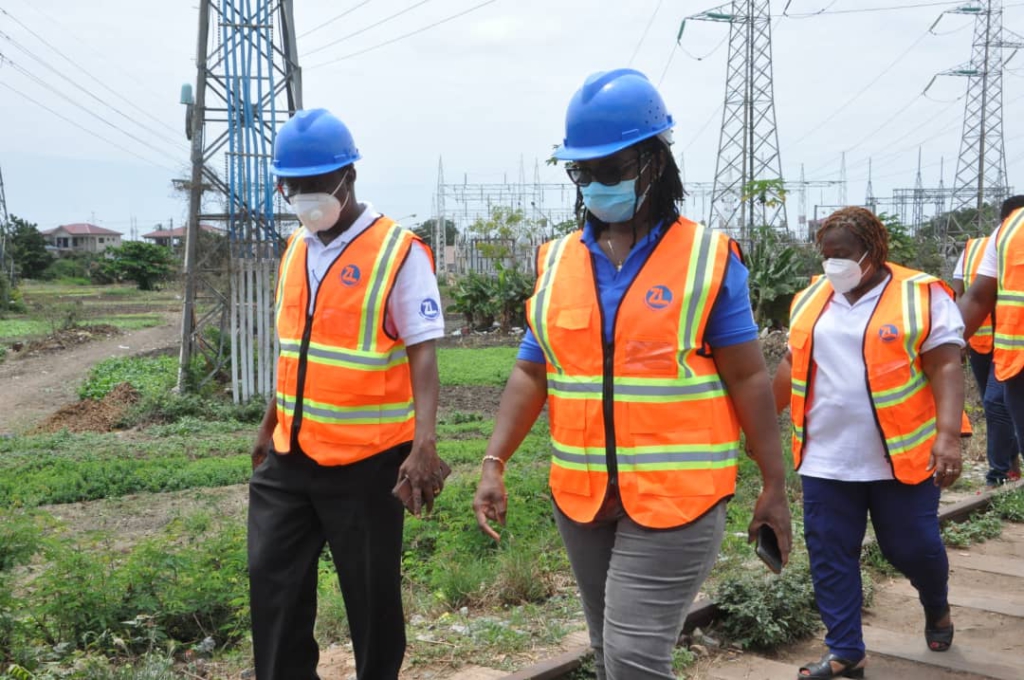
[[350, 275], [658, 297], [888, 333], [429, 309]]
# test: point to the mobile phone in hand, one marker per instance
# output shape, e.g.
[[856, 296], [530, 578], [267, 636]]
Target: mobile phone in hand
[[767, 548], [404, 492]]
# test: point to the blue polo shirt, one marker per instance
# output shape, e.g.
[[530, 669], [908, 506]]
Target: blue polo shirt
[[731, 321]]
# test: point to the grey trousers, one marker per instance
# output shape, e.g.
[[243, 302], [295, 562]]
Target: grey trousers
[[637, 585]]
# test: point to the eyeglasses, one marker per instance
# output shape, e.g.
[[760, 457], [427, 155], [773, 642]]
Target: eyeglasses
[[608, 176]]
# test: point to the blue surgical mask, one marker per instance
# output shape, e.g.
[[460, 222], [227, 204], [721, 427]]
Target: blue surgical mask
[[612, 204]]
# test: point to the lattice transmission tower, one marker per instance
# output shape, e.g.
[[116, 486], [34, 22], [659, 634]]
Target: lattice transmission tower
[[748, 148], [248, 82], [980, 178], [6, 260]]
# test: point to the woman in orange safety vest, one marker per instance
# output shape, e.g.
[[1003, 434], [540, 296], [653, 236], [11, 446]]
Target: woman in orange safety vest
[[643, 346], [875, 390]]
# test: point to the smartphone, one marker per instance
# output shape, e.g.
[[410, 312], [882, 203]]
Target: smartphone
[[767, 548], [404, 492]]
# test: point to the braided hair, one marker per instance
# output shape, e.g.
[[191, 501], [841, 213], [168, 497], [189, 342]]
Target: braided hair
[[864, 226], [665, 195]]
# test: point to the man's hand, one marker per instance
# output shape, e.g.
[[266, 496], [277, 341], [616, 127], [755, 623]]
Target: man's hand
[[422, 472], [260, 449], [491, 500], [772, 509], [945, 460]]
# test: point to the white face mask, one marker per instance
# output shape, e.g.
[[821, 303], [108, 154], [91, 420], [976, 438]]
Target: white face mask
[[319, 211], [844, 275]]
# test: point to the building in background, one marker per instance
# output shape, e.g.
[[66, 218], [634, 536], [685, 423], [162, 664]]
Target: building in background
[[81, 238], [172, 238]]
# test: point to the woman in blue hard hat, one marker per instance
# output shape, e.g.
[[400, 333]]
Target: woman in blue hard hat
[[643, 345], [353, 422]]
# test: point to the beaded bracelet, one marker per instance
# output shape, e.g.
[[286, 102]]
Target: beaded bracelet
[[495, 458]]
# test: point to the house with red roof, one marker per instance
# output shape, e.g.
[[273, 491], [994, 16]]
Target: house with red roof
[[82, 238]]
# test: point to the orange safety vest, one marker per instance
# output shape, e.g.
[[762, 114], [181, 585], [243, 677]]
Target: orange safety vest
[[974, 250], [343, 386], [1009, 335], [900, 393], [647, 411]]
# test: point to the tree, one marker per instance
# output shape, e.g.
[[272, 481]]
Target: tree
[[426, 232], [28, 248], [774, 274], [502, 234], [146, 264]]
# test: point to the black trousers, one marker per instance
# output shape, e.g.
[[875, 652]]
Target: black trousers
[[295, 507]]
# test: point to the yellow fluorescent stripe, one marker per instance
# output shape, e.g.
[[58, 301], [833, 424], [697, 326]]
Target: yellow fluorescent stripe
[[383, 265], [359, 421], [285, 268], [542, 299]]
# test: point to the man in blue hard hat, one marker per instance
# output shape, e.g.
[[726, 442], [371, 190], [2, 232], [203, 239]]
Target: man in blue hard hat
[[352, 428]]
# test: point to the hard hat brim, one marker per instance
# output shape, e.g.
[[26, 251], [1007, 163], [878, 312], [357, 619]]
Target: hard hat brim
[[589, 153], [311, 170]]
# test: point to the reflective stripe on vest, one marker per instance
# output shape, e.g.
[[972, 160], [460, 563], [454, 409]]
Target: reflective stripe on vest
[[900, 393], [1008, 353], [974, 251], [648, 411], [343, 391]]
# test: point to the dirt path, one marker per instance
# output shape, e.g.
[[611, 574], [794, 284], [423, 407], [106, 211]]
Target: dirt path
[[33, 387]]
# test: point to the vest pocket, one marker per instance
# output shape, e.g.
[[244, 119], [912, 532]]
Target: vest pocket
[[651, 358]]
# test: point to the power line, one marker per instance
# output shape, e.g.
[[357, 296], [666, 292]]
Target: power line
[[84, 129], [48, 66], [335, 18], [114, 64], [405, 35], [367, 28], [855, 97], [43, 83], [647, 29], [863, 10]]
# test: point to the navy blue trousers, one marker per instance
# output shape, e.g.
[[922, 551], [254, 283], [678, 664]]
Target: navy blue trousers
[[1001, 444], [905, 519]]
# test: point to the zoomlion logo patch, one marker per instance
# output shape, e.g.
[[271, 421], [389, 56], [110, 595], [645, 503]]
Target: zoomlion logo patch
[[658, 297], [888, 333], [350, 275], [429, 309]]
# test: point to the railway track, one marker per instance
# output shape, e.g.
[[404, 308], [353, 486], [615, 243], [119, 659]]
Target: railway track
[[987, 599]]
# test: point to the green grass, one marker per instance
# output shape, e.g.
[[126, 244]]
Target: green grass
[[128, 322], [64, 468], [150, 376], [22, 328], [480, 366]]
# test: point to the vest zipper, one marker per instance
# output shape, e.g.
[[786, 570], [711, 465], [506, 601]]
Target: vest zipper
[[307, 333]]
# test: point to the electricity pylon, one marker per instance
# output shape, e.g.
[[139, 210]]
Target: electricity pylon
[[248, 82], [748, 148]]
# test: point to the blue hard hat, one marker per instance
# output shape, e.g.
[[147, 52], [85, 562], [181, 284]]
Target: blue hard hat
[[613, 110], [313, 142]]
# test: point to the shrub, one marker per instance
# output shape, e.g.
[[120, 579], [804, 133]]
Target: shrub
[[1010, 505], [473, 297], [977, 529], [177, 588], [764, 612]]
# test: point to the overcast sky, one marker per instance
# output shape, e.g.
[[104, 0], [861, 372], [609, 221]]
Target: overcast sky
[[481, 92]]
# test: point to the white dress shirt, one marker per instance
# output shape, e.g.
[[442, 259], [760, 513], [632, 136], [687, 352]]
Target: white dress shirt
[[989, 265], [842, 438], [414, 307]]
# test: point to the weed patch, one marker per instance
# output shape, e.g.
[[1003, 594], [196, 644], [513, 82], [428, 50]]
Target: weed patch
[[1009, 505], [480, 366], [977, 529], [149, 376]]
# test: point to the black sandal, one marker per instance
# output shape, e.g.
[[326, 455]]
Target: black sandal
[[823, 668], [939, 639]]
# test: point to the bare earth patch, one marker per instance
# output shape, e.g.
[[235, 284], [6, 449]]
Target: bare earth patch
[[38, 384], [470, 399], [92, 415]]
